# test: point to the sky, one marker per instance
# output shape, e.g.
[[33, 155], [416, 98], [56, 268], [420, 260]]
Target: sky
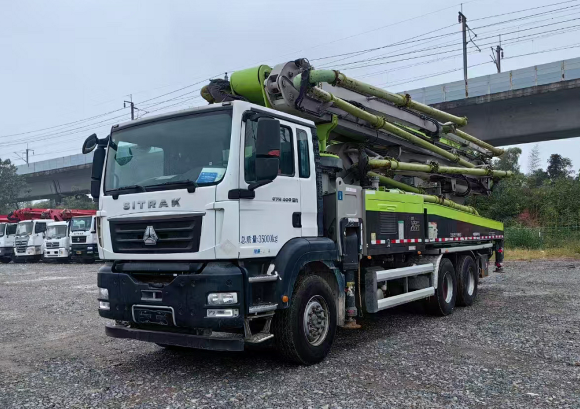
[[67, 66]]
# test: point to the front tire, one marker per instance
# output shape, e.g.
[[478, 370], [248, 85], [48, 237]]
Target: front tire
[[5, 260], [304, 332], [443, 302], [467, 279]]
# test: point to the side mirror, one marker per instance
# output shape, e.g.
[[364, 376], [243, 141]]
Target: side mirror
[[90, 143], [267, 151], [98, 165]]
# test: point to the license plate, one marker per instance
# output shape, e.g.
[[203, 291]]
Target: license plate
[[79, 252], [153, 316]]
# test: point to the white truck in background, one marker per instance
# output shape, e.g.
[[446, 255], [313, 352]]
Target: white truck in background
[[83, 238], [7, 235], [57, 242], [29, 240]]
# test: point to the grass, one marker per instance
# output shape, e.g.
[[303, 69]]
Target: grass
[[568, 252]]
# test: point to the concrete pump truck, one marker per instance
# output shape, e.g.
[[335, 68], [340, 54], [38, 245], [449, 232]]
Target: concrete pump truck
[[295, 200]]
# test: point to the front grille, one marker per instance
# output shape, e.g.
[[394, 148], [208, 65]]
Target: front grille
[[21, 245], [79, 239], [174, 235], [52, 245]]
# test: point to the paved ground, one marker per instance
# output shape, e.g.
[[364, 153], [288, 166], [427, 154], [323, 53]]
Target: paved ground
[[519, 346]]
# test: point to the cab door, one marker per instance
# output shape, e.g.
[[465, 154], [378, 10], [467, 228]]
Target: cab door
[[307, 180], [273, 216]]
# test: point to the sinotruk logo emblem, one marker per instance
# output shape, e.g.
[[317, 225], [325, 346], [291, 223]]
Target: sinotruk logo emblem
[[150, 237]]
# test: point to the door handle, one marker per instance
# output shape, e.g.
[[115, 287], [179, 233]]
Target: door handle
[[297, 219]]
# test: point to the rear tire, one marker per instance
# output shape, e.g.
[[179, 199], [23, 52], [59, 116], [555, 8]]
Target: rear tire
[[304, 332], [443, 302], [467, 278]]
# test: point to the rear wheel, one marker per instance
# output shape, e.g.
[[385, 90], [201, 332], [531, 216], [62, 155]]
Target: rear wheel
[[443, 302], [304, 332], [467, 279]]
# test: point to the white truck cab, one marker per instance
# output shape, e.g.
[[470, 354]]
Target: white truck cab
[[57, 242], [83, 237], [7, 234], [29, 241]]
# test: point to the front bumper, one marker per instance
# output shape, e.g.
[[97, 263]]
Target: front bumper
[[56, 253], [185, 290], [210, 342], [84, 251], [6, 251]]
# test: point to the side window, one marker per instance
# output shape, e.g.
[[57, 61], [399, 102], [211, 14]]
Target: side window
[[303, 156], [286, 152]]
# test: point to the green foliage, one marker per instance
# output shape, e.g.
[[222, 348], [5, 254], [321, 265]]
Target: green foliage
[[541, 198], [10, 185], [509, 160], [81, 202], [559, 167]]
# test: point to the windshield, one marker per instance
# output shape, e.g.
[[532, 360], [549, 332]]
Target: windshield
[[56, 232], [192, 148], [81, 223], [24, 228]]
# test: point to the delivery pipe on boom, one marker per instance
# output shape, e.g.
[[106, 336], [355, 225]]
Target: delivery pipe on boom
[[382, 123], [434, 168], [338, 79]]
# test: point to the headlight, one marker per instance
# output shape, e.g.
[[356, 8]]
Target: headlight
[[222, 298], [103, 294], [229, 313], [30, 250], [104, 305]]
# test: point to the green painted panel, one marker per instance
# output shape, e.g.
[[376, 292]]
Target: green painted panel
[[379, 201], [462, 216]]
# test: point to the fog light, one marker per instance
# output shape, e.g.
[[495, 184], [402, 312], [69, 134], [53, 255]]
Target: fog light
[[90, 248], [222, 298], [103, 293], [104, 305], [230, 313]]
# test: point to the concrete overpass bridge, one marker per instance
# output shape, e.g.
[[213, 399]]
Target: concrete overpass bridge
[[531, 104]]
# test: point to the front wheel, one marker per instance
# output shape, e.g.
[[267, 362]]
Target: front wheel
[[304, 332], [5, 260]]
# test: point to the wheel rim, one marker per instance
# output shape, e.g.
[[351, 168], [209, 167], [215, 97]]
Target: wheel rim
[[316, 320], [448, 288], [470, 282]]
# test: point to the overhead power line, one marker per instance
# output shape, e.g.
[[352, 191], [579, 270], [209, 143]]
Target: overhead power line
[[524, 10]]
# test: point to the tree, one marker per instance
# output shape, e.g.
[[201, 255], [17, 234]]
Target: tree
[[10, 185], [509, 160], [534, 159], [82, 202], [559, 167]]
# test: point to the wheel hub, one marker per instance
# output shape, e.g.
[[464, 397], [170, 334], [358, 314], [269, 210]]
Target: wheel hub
[[316, 320]]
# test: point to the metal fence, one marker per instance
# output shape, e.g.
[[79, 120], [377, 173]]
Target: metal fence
[[542, 237]]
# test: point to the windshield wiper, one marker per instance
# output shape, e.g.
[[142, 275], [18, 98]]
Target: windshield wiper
[[116, 192], [191, 185]]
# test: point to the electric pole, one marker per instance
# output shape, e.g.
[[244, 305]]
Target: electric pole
[[132, 104], [498, 56], [25, 152], [463, 20]]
